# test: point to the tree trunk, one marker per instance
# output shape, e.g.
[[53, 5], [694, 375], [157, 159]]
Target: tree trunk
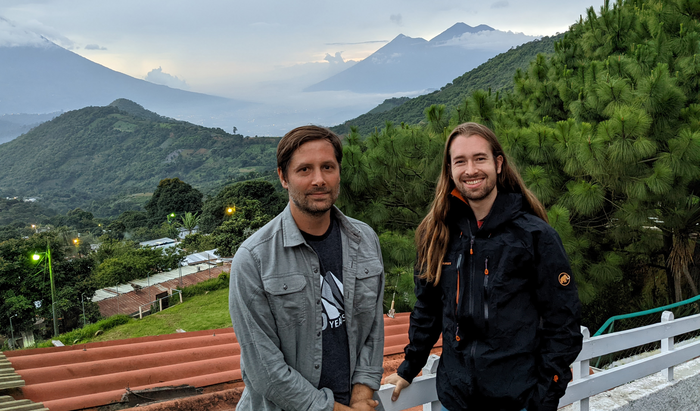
[[670, 283], [688, 278], [677, 286]]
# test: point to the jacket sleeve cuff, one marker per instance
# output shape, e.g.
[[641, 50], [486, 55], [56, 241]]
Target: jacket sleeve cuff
[[407, 372], [369, 376]]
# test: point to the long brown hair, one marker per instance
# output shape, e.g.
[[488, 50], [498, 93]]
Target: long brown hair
[[433, 235]]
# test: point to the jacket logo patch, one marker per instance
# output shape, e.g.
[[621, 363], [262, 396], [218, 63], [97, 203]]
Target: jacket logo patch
[[446, 263], [564, 279]]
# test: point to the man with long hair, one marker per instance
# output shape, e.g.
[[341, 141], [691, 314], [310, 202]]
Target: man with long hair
[[306, 292], [492, 276]]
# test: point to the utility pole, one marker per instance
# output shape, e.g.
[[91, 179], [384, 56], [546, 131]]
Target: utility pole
[[12, 332], [83, 304]]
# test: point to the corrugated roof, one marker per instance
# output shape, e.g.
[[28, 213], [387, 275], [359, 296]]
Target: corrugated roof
[[96, 374]]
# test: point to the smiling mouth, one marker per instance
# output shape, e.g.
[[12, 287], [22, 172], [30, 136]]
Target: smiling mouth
[[473, 182]]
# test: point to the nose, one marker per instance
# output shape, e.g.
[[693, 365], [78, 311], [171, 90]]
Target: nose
[[318, 179], [469, 168]]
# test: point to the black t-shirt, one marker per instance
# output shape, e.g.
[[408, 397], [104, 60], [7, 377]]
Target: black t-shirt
[[335, 371]]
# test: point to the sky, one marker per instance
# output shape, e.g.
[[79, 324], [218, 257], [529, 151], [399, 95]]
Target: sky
[[236, 49]]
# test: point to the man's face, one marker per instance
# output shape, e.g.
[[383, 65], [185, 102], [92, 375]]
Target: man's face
[[313, 178], [473, 168]]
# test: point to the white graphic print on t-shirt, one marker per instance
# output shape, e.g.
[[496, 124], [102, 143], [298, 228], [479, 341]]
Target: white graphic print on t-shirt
[[333, 302]]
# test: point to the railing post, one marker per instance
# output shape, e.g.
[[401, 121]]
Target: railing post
[[667, 345], [429, 369], [180, 296], [140, 313], [581, 371], [160, 304]]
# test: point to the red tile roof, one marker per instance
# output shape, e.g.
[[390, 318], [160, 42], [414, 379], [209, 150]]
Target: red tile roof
[[96, 374]]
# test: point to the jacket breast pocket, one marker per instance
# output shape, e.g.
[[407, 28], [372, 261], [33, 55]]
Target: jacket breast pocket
[[288, 299], [367, 283]]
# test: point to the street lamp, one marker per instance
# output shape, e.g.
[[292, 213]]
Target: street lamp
[[47, 255], [230, 210], [12, 333]]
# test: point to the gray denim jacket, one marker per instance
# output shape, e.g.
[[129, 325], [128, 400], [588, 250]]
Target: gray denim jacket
[[275, 306]]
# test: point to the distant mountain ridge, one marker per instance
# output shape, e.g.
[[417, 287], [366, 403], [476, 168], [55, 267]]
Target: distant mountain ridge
[[48, 78], [408, 64], [496, 74]]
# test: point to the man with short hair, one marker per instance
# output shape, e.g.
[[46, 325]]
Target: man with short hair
[[306, 292], [493, 277]]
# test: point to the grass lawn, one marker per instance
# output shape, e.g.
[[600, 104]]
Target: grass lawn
[[201, 312]]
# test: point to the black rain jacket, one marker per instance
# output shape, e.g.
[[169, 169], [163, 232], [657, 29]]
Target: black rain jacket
[[511, 335]]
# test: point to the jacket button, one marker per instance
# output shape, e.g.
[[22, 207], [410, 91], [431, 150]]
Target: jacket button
[[284, 286], [318, 302], [316, 366], [366, 271], [315, 270], [318, 334]]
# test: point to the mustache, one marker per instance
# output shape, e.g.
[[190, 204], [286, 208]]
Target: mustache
[[319, 190]]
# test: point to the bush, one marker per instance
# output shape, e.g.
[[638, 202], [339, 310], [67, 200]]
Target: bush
[[81, 335], [209, 285]]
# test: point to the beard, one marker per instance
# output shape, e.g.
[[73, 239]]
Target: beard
[[479, 193], [307, 205]]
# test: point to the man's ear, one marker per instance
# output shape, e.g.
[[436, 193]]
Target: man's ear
[[499, 164], [282, 180]]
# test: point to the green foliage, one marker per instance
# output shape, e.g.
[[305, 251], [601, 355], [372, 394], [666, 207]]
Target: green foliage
[[388, 179], [22, 214], [214, 210], [197, 242], [247, 219], [93, 157], [85, 334], [173, 196], [123, 263], [24, 283], [218, 283]]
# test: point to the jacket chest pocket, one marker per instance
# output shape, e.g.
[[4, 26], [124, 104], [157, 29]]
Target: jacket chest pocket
[[287, 298], [367, 283]]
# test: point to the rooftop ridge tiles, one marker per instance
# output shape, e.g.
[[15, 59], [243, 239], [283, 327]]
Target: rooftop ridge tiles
[[122, 364], [123, 341], [119, 351], [163, 375], [102, 398]]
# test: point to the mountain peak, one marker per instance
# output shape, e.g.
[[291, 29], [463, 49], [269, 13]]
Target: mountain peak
[[457, 30]]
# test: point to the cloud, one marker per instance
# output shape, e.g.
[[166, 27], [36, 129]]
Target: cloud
[[500, 4], [94, 47], [396, 18], [157, 76], [361, 42], [337, 59], [31, 33], [13, 36], [490, 40]]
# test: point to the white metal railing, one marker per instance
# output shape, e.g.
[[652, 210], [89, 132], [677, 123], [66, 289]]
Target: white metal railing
[[423, 392]]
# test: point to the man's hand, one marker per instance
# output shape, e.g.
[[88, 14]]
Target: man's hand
[[361, 398], [399, 383], [361, 405], [364, 405]]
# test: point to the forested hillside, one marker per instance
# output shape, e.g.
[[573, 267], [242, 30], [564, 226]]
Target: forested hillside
[[496, 74], [606, 132], [97, 152]]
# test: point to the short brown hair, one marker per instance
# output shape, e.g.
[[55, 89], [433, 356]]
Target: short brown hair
[[300, 135]]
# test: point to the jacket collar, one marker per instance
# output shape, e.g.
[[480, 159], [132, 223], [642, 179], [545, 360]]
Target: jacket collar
[[292, 235], [505, 208]]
